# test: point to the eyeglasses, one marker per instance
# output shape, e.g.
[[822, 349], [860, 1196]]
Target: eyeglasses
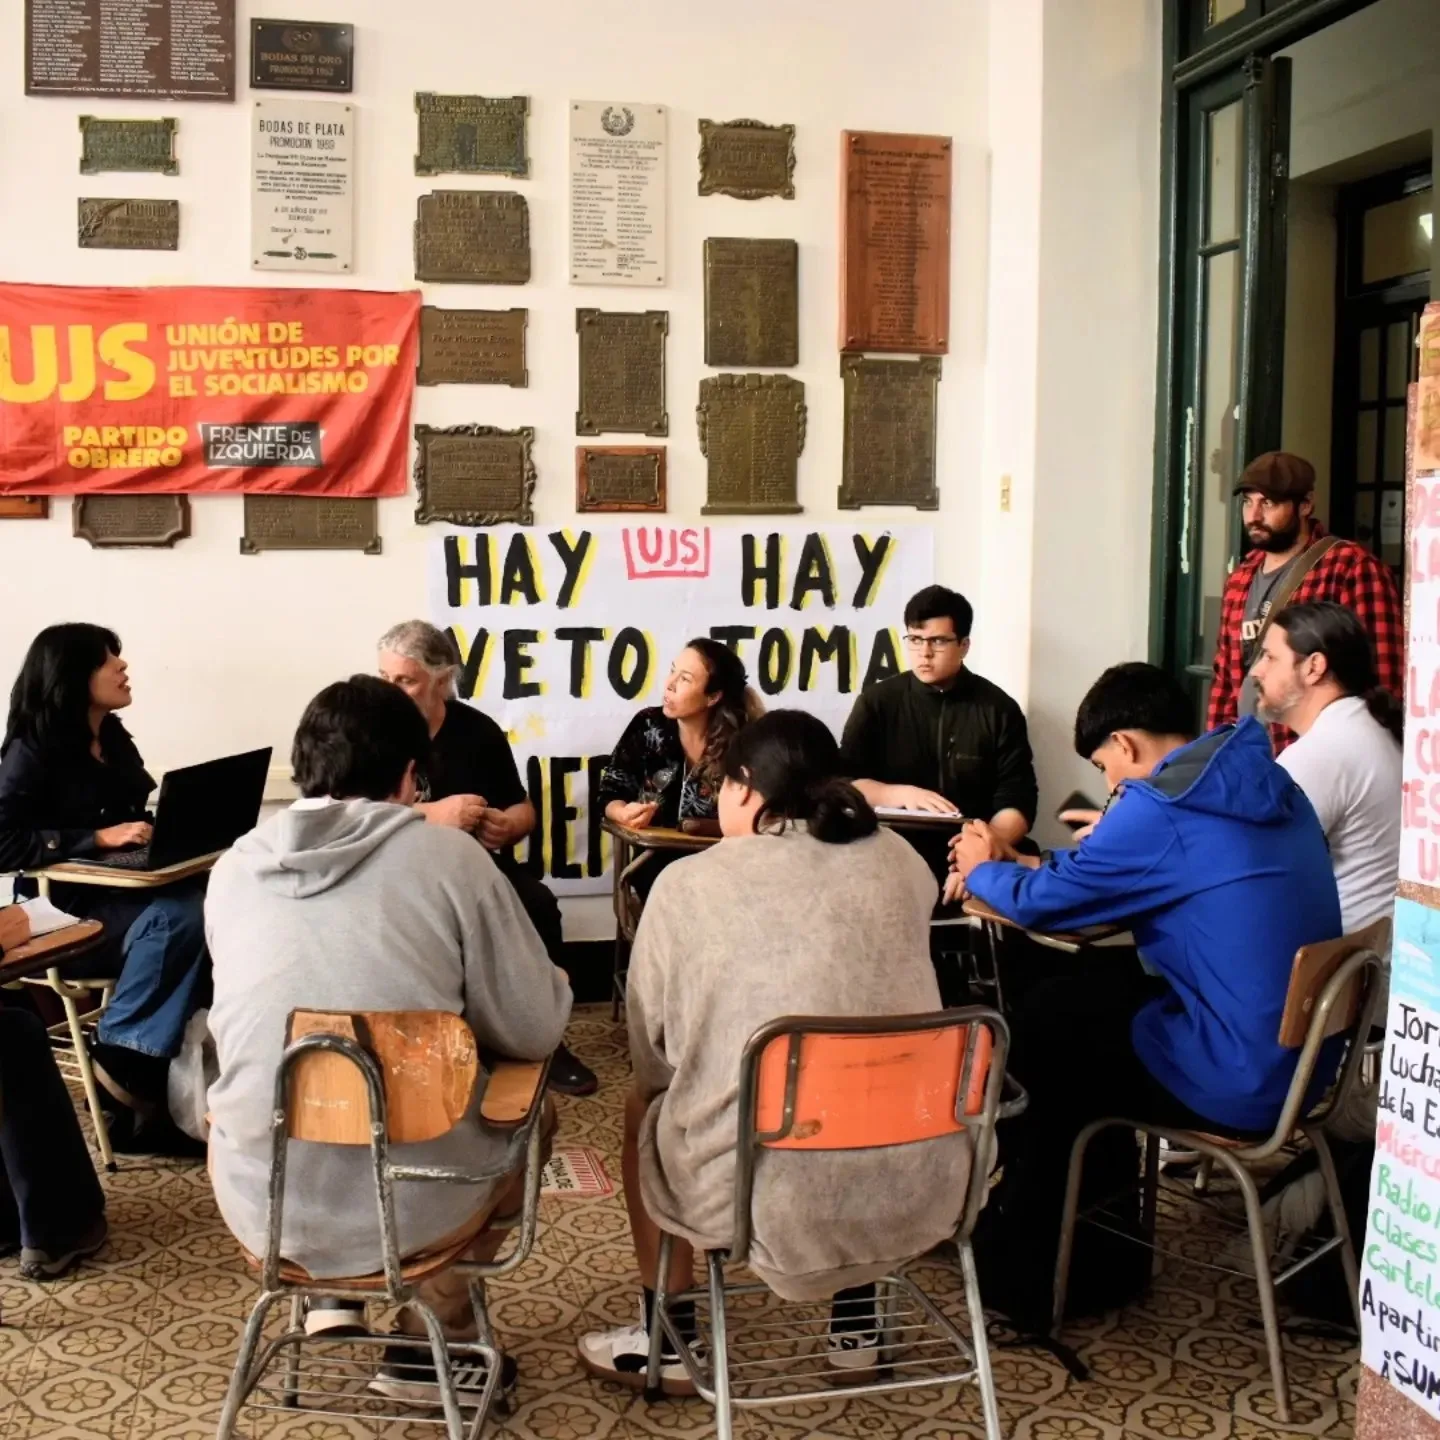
[[931, 642]]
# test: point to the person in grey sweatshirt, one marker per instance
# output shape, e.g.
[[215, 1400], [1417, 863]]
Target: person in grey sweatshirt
[[348, 900]]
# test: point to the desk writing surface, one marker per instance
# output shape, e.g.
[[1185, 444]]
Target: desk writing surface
[[896, 817], [658, 837], [1078, 939], [74, 872], [55, 948]]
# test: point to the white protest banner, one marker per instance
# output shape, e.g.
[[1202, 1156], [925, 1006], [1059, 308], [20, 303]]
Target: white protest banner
[[1400, 1265], [564, 634]]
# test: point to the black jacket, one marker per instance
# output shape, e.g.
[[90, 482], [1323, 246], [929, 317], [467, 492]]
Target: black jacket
[[50, 808], [968, 743]]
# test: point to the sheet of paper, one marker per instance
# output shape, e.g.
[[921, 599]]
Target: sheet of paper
[[45, 917]]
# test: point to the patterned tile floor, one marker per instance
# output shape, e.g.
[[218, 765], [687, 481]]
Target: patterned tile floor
[[137, 1345]]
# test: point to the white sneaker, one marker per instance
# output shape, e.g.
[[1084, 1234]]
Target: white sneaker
[[623, 1355], [335, 1319], [853, 1349]]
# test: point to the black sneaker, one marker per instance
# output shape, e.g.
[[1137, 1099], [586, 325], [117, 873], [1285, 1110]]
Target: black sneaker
[[52, 1264], [570, 1075], [407, 1373]]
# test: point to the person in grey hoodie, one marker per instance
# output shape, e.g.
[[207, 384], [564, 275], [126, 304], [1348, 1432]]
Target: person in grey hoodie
[[348, 900]]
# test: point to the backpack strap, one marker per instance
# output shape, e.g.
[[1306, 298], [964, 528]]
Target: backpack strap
[[1286, 593]]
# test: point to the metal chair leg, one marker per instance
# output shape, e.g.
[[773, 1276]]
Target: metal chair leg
[[617, 972], [1265, 1283], [87, 1071], [1152, 1188], [980, 1344], [655, 1321], [719, 1351], [291, 1387], [440, 1355], [1338, 1218], [1068, 1218], [241, 1379]]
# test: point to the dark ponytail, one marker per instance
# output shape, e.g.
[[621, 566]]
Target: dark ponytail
[[1320, 627], [791, 758]]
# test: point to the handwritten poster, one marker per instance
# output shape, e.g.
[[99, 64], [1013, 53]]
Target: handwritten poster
[[1420, 836], [564, 635], [1400, 1265]]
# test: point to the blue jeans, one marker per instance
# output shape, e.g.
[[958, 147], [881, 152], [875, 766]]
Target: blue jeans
[[49, 1196], [160, 959]]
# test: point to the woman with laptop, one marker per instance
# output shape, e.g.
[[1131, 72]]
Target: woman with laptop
[[73, 787]]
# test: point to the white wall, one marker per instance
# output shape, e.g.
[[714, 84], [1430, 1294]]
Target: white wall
[[1094, 430], [226, 649]]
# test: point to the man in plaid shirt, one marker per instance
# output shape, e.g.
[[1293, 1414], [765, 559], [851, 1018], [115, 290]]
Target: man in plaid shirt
[[1277, 492]]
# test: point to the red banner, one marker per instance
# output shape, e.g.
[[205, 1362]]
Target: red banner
[[305, 392]]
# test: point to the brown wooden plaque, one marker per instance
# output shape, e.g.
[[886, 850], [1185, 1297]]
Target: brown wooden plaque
[[1430, 341], [622, 372], [752, 302], [301, 55], [474, 475], [309, 522], [615, 478], [471, 135], [473, 237], [149, 521], [181, 49], [472, 347], [1427, 425], [128, 225], [116, 145], [24, 507], [895, 243], [752, 430], [747, 159], [889, 450]]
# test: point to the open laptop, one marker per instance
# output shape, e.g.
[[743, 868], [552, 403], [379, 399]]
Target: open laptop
[[202, 809]]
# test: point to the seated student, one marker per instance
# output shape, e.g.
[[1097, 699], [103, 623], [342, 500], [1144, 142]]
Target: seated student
[[469, 782], [72, 785], [939, 737], [1316, 674], [349, 901], [666, 767], [1213, 858], [805, 907], [52, 1209]]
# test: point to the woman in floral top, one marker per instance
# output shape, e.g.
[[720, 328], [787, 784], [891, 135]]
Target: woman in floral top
[[667, 766]]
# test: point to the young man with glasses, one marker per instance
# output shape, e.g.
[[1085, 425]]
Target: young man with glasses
[[940, 738]]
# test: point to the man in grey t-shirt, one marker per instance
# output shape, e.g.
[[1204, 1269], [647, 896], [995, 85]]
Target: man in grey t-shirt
[[1258, 603]]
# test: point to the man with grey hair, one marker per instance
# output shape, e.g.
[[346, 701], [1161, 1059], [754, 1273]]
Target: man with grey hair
[[471, 783]]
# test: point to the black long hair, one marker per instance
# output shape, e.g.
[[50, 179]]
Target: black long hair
[[50, 700], [737, 705], [1320, 627], [792, 759]]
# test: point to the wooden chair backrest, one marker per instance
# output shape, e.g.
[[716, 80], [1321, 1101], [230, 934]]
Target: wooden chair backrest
[[862, 1091], [1311, 972], [427, 1058]]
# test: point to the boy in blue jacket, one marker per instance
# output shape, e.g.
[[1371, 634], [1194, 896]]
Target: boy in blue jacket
[[1213, 858]]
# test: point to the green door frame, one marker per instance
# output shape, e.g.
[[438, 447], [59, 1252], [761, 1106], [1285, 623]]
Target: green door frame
[[1198, 60]]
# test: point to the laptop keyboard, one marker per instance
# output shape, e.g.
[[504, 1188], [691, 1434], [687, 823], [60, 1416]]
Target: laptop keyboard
[[128, 859]]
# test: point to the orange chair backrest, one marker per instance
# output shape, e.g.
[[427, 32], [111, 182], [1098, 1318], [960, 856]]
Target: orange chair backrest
[[1311, 972], [863, 1091], [428, 1061]]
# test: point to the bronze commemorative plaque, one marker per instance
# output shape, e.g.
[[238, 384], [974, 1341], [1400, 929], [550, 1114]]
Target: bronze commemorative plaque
[[309, 522], [889, 450], [618, 478], [24, 507], [474, 475], [181, 49], [301, 55], [473, 237], [747, 159], [472, 347], [107, 145], [128, 225], [752, 302], [895, 243], [152, 521], [752, 430], [472, 135], [622, 372]]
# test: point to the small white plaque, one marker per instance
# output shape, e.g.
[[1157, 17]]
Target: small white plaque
[[302, 168], [618, 168]]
